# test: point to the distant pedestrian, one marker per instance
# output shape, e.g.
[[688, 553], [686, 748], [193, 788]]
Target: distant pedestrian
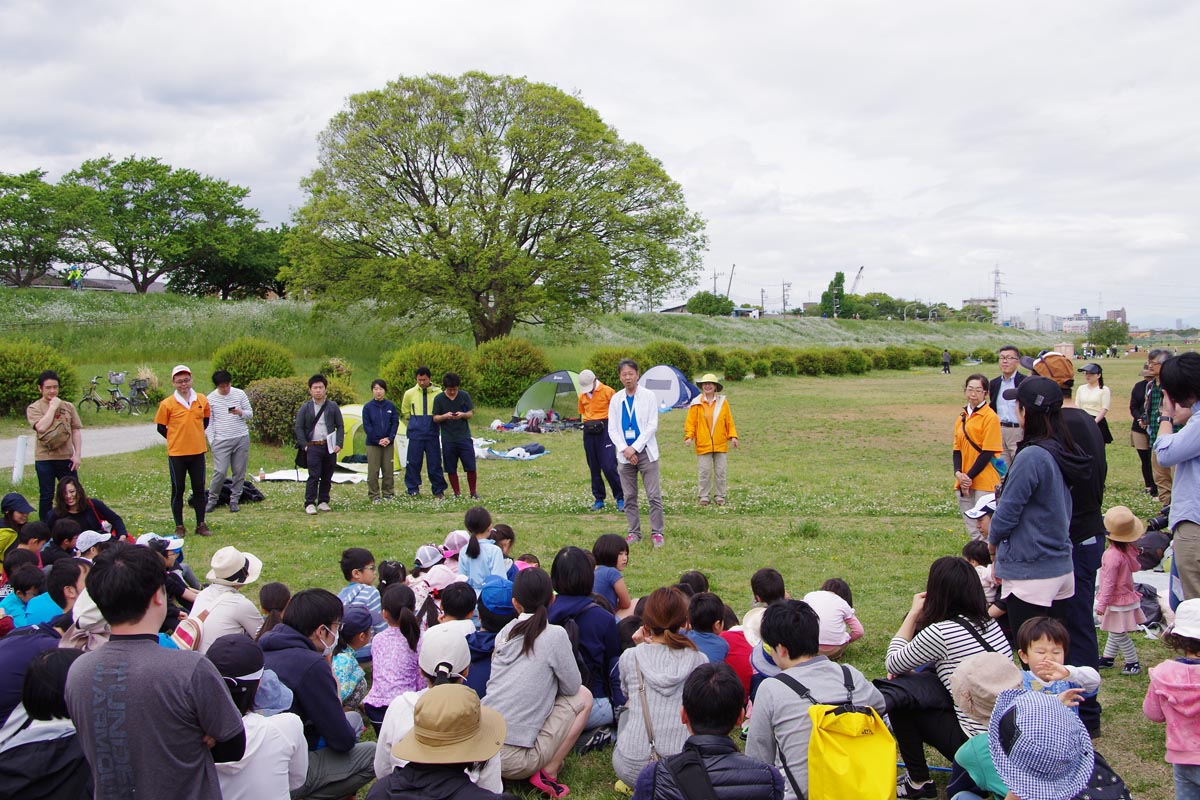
[[945, 362], [452, 410], [381, 421], [229, 438], [58, 443], [417, 409], [598, 448], [632, 427], [320, 433], [182, 419]]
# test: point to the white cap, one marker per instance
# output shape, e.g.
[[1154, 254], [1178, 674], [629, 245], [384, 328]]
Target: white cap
[[172, 543], [1187, 619], [180, 368], [587, 381], [89, 539]]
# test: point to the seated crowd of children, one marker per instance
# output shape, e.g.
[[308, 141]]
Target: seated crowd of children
[[475, 667]]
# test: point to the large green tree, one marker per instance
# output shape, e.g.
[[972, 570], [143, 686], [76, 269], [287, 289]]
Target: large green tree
[[713, 305], [141, 219], [34, 221], [1108, 333], [250, 270], [490, 199]]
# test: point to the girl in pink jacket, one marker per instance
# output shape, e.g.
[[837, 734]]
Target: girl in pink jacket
[[1174, 698], [1118, 603]]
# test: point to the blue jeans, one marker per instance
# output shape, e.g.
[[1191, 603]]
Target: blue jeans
[[49, 473], [601, 713], [1187, 782]]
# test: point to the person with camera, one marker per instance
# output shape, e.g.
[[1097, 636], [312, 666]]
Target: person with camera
[[1180, 449], [229, 438], [601, 453]]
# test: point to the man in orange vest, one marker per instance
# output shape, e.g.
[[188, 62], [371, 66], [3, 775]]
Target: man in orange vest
[[601, 454]]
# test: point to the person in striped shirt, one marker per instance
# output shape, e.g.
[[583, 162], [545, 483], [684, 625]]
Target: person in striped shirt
[[229, 438]]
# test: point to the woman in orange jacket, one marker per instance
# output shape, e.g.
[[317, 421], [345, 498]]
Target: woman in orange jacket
[[710, 425]]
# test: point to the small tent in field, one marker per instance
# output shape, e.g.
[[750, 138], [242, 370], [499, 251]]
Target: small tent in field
[[548, 390], [356, 438], [673, 388]]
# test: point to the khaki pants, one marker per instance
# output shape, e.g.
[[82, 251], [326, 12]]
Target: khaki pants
[[1187, 558], [967, 501], [385, 458], [629, 485], [1011, 438], [712, 473], [1163, 478]]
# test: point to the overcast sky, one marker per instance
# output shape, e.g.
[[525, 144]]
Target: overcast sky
[[927, 142]]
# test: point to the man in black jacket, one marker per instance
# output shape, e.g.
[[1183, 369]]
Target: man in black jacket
[[713, 701], [1009, 378], [320, 434]]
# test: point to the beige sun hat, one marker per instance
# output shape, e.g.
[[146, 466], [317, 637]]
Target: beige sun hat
[[232, 567], [1123, 525], [451, 727], [708, 377]]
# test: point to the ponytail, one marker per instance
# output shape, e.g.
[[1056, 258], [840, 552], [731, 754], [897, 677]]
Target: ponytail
[[532, 628], [665, 613], [473, 548], [411, 629], [478, 522], [398, 601], [533, 591], [427, 616]]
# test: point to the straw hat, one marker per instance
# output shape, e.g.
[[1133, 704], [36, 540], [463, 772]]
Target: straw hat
[[1122, 525], [708, 377], [451, 727], [229, 563]]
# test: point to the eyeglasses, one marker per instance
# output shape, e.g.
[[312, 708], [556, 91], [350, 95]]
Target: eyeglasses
[[976, 389]]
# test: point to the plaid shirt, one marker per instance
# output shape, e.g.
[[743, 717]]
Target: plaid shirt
[[1154, 396]]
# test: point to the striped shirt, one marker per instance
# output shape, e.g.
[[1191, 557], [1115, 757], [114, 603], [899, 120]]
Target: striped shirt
[[945, 645], [224, 424]]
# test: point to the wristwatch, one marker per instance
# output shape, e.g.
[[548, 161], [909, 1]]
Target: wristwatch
[[1164, 418]]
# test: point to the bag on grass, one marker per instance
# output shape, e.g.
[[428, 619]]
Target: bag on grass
[[1148, 599], [851, 753]]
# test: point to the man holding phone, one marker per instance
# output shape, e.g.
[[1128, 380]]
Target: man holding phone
[[229, 438], [451, 410]]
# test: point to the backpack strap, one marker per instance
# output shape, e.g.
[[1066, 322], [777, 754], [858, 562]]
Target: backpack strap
[[802, 690], [969, 628], [848, 681], [691, 776]]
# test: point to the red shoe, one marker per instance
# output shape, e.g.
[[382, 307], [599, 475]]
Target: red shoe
[[544, 783]]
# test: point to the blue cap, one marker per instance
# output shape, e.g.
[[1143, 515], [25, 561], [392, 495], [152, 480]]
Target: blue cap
[[496, 595], [356, 620]]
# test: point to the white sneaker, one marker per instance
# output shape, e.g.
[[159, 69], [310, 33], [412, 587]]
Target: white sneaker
[[324, 507], [310, 509]]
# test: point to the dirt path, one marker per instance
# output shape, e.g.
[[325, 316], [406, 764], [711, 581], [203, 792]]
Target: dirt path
[[96, 442]]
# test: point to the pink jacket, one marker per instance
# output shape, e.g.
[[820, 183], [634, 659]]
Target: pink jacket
[[1174, 698], [1116, 580]]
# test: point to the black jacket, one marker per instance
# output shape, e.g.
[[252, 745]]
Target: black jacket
[[306, 420], [734, 776], [994, 387], [1087, 494], [301, 668], [55, 769], [429, 782]]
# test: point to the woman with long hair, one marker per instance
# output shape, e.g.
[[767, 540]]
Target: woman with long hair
[[652, 676], [536, 686], [946, 623], [72, 502], [1030, 530], [1095, 398]]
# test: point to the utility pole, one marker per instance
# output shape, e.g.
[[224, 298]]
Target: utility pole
[[786, 286], [1037, 315], [715, 276], [762, 300], [997, 294]]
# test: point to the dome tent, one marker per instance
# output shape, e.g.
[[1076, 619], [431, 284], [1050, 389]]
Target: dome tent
[[673, 388], [544, 392]]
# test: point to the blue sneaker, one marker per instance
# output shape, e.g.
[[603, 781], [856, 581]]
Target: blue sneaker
[[620, 505], [598, 505]]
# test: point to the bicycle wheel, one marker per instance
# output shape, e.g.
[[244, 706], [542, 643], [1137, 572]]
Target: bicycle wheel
[[139, 405], [121, 405], [90, 405]]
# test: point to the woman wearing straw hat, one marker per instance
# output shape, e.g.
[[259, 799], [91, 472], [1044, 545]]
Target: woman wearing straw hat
[[451, 731], [710, 425], [221, 608]]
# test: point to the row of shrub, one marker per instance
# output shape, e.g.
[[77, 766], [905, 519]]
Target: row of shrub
[[736, 364]]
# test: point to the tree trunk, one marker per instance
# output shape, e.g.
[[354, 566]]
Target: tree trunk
[[485, 329]]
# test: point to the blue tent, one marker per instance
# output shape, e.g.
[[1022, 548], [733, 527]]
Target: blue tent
[[673, 388]]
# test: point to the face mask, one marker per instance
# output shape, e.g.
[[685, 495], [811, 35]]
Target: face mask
[[328, 651]]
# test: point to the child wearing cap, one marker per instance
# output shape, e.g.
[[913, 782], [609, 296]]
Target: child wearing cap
[[89, 544], [16, 510], [430, 574], [495, 610], [1174, 698], [353, 636], [450, 728], [1040, 749], [974, 686]]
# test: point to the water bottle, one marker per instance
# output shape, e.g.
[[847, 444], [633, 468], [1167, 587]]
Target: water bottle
[[262, 474]]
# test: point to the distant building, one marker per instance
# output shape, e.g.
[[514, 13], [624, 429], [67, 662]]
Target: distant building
[[1078, 323], [752, 313], [680, 309], [1117, 314], [988, 303]]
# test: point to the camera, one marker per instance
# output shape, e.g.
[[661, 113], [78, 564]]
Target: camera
[[1161, 522]]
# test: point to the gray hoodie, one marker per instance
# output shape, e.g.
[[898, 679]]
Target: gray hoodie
[[523, 687], [665, 671]]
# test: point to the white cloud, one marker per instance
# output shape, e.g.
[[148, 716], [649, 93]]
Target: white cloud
[[928, 141]]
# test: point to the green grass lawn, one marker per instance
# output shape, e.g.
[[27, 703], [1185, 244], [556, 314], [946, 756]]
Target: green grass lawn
[[845, 477]]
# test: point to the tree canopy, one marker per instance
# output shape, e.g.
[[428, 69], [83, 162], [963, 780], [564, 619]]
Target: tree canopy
[[491, 199], [249, 269], [1108, 332], [713, 305], [141, 219], [34, 221]]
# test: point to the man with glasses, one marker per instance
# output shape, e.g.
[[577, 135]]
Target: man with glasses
[[1009, 378], [182, 419]]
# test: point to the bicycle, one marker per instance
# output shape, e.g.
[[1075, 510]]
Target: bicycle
[[139, 402], [117, 401]]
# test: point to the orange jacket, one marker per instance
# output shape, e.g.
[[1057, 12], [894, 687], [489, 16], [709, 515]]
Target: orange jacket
[[595, 406], [700, 428]]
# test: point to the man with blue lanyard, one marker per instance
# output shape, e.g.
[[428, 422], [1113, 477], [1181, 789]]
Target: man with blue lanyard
[[632, 425]]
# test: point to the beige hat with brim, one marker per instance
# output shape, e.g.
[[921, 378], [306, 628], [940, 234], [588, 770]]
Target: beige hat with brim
[[451, 727], [228, 562], [1122, 525], [708, 377], [752, 625], [979, 679]]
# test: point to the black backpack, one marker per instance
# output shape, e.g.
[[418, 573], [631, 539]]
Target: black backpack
[[586, 671]]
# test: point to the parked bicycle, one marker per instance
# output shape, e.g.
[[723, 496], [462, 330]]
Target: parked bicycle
[[116, 401], [139, 401]]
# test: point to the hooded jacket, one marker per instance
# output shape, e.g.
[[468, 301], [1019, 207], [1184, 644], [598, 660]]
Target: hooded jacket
[[1174, 698], [714, 439], [734, 776], [380, 420], [599, 643], [1031, 526], [664, 671], [302, 668], [45, 761], [481, 643], [429, 782]]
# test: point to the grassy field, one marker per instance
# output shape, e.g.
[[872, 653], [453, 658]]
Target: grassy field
[[844, 477]]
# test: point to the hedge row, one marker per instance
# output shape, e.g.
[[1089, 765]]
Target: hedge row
[[496, 374], [738, 363], [20, 364]]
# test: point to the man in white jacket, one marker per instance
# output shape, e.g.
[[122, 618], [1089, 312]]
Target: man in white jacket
[[632, 425]]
